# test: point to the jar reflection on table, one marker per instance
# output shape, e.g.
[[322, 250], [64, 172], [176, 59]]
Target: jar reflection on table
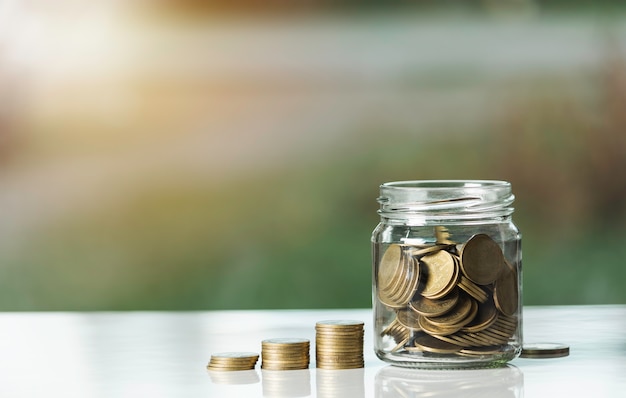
[[504, 382]]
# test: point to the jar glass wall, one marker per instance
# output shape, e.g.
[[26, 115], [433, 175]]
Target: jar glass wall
[[447, 275]]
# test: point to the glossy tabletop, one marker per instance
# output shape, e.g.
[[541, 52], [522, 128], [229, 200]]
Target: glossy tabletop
[[164, 354]]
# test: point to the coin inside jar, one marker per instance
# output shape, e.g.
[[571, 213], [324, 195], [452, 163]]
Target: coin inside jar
[[441, 271], [505, 294], [427, 307], [481, 259]]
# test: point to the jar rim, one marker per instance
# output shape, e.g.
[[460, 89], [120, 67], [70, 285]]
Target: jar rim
[[445, 184], [445, 199]]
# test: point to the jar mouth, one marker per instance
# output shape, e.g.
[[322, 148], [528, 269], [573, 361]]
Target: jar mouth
[[445, 199], [446, 184]]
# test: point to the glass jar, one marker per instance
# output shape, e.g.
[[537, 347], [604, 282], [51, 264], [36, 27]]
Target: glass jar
[[447, 281]]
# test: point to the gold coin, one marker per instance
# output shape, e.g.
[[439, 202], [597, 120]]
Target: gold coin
[[340, 324], [432, 344], [480, 351], [472, 289], [544, 350], [339, 339], [393, 324], [401, 343], [357, 351], [458, 316], [485, 338], [340, 366], [332, 346], [338, 343], [265, 364], [400, 288], [284, 341], [413, 279], [440, 271], [389, 266], [505, 292], [236, 356], [287, 354], [341, 358], [233, 361], [453, 339], [354, 362], [451, 286], [422, 251], [405, 288], [442, 236], [481, 259], [279, 367], [340, 334], [396, 330], [428, 307], [437, 330], [485, 317], [408, 318]]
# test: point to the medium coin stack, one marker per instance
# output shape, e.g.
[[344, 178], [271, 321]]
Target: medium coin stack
[[339, 344], [285, 354], [227, 361], [449, 298]]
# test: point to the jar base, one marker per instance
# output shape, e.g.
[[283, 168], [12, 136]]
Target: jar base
[[447, 362]]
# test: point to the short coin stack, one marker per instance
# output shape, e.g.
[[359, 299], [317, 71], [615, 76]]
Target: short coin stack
[[285, 354], [339, 344], [227, 361]]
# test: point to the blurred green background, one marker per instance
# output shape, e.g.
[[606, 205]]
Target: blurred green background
[[181, 156]]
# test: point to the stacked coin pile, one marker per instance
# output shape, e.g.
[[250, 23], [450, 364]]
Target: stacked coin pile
[[285, 354], [339, 344], [449, 298], [227, 361]]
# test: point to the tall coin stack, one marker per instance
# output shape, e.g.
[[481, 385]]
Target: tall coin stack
[[227, 361], [339, 344], [285, 354]]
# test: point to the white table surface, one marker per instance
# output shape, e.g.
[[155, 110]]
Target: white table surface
[[164, 354]]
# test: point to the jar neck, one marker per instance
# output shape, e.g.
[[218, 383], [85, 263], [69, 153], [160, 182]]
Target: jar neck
[[445, 201]]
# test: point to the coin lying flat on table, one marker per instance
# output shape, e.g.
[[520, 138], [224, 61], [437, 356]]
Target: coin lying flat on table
[[544, 350]]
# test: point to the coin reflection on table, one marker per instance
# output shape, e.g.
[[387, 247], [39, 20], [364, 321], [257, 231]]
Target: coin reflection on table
[[235, 377], [340, 383], [504, 382], [286, 383]]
